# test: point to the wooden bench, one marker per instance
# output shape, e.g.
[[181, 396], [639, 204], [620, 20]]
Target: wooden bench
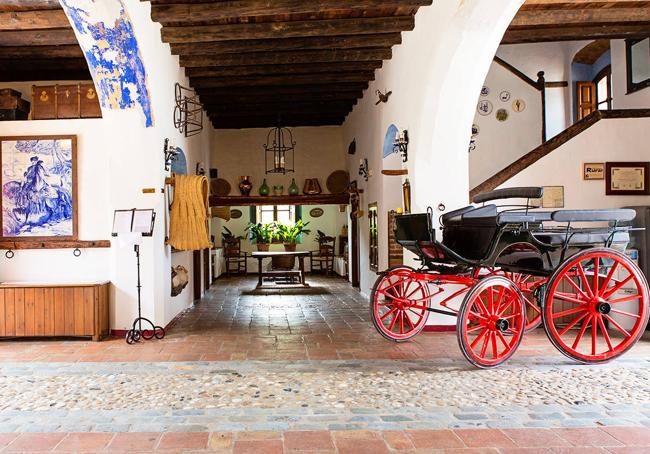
[[29, 309]]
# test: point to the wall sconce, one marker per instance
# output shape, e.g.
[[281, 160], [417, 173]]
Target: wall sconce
[[363, 169], [170, 152], [401, 144]]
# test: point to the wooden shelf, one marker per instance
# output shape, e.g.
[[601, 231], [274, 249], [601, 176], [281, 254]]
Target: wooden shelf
[[320, 199], [15, 245]]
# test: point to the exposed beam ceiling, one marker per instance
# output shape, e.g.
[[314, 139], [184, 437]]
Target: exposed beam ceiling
[[555, 20]]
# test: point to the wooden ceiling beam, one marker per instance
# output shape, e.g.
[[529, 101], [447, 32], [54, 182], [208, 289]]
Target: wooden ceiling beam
[[33, 20], [280, 113], [586, 16], [287, 44], [54, 37], [270, 122], [279, 104], [270, 70], [287, 58], [575, 33], [266, 97], [190, 13], [285, 90], [286, 79], [30, 5], [70, 51], [291, 29], [554, 4], [29, 74], [44, 64]]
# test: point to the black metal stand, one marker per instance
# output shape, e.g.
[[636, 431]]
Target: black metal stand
[[136, 332]]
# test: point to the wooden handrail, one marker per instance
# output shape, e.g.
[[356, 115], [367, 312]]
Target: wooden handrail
[[517, 73], [549, 146]]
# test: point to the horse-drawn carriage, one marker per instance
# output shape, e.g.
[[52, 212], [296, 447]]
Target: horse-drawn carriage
[[515, 267]]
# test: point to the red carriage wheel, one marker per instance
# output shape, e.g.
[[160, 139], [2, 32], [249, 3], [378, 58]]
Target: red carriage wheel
[[527, 285], [491, 322], [596, 306], [399, 303]]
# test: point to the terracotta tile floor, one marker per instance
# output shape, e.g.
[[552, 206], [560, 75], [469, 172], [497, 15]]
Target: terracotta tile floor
[[235, 323], [605, 440]]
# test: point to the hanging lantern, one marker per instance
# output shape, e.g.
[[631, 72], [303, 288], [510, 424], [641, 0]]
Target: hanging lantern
[[279, 151]]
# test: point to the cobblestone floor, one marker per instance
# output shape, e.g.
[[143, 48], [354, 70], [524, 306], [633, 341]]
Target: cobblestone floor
[[267, 374]]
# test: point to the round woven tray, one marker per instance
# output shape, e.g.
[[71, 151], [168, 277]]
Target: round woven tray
[[219, 187], [338, 182]]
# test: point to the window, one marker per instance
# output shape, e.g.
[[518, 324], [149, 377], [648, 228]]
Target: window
[[284, 214], [603, 82], [638, 64], [374, 237]]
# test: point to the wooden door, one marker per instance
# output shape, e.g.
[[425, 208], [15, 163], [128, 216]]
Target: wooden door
[[586, 98]]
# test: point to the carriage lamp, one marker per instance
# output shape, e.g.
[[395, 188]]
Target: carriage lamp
[[363, 169], [401, 144], [170, 152]]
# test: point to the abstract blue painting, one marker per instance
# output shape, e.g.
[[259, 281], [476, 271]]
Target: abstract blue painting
[[38, 187], [389, 140], [106, 35]]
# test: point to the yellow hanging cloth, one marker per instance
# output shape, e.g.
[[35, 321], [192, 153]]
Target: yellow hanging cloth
[[188, 230]]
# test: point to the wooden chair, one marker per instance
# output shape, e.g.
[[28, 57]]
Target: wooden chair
[[236, 259], [323, 259]]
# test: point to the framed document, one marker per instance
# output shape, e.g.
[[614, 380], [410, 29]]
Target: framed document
[[593, 171], [553, 198], [627, 178]]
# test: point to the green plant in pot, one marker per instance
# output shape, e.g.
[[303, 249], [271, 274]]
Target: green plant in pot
[[261, 234], [290, 234]]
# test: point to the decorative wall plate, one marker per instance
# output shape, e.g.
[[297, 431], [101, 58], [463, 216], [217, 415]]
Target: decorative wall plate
[[316, 212], [484, 107], [472, 145], [236, 213], [475, 130], [485, 90], [502, 115], [518, 105], [504, 96]]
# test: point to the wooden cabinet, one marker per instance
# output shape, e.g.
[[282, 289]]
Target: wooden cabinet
[[41, 310]]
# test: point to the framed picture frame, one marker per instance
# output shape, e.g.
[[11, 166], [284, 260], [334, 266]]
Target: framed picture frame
[[39, 181], [553, 197], [593, 171], [627, 178]]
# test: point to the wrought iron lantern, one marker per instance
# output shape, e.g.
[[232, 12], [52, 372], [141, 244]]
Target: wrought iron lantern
[[279, 151]]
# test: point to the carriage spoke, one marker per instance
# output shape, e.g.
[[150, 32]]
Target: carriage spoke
[[495, 350], [500, 300], [475, 328], [628, 314], [485, 343], [478, 316], [575, 286], [569, 312], [605, 283], [583, 328], [596, 291], [585, 281], [392, 322], [605, 333], [619, 327], [594, 334], [503, 339], [408, 320], [625, 299], [383, 317], [478, 338], [617, 287], [532, 305], [412, 292], [573, 323], [401, 322], [568, 297], [481, 305]]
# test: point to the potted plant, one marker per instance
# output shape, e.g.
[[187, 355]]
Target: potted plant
[[261, 234], [290, 234]]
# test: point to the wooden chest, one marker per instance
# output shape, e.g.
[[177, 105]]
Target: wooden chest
[[65, 101], [12, 106], [49, 310]]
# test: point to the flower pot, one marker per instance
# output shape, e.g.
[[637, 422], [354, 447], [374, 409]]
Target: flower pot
[[290, 247], [263, 247]]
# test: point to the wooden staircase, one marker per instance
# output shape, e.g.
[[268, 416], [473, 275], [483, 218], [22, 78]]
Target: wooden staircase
[[550, 145]]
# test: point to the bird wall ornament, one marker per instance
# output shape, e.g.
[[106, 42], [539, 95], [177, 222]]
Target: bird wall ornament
[[382, 97]]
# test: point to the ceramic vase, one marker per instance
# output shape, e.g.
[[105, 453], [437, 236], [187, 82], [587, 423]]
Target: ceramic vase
[[245, 185], [264, 189], [293, 189], [278, 189]]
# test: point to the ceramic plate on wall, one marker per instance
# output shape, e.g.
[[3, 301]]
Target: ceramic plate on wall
[[502, 115], [316, 212], [236, 213], [484, 107], [485, 90], [504, 96], [519, 105]]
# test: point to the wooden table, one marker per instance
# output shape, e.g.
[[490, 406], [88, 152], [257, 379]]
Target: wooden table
[[261, 255]]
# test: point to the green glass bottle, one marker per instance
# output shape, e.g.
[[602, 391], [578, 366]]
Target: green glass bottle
[[294, 189], [264, 189]]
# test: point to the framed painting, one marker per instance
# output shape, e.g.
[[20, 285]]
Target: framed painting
[[593, 171], [627, 178], [39, 188]]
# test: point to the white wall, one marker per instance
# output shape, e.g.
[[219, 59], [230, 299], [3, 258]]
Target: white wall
[[237, 152], [434, 75], [498, 143], [608, 140], [118, 158]]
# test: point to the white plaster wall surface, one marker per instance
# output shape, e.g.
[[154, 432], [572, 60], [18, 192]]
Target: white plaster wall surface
[[608, 140], [435, 75], [236, 152], [622, 100], [120, 157], [500, 143]]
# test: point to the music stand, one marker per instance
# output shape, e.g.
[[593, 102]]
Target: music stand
[[132, 225]]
